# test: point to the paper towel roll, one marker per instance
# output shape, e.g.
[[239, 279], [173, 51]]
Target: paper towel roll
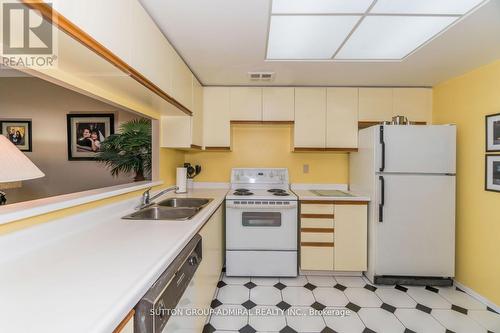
[[181, 180]]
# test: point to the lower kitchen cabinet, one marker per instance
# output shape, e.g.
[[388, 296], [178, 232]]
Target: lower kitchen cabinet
[[333, 235], [316, 258], [352, 238], [201, 289], [127, 324], [208, 274]]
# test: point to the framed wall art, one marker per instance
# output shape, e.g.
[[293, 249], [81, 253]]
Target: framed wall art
[[86, 131], [18, 132], [493, 132], [492, 179]]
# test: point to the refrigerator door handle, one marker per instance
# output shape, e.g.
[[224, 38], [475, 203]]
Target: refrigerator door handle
[[382, 142], [382, 199]]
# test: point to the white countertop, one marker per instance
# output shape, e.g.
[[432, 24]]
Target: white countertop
[[85, 272], [308, 195]]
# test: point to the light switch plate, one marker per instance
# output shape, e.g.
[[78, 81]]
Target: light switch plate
[[305, 168]]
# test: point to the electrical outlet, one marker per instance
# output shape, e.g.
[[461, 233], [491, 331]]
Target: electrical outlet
[[305, 168]]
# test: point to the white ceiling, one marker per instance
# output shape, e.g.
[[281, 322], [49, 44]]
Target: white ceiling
[[223, 40]]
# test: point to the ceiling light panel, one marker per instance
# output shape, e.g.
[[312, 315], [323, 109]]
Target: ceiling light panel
[[391, 37], [307, 37], [433, 7], [320, 6]]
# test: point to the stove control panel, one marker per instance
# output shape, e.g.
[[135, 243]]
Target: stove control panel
[[277, 176]]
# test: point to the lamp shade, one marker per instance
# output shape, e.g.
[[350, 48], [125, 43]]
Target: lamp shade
[[14, 165]]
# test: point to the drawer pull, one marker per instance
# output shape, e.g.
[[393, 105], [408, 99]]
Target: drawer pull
[[317, 216], [321, 230], [317, 244]]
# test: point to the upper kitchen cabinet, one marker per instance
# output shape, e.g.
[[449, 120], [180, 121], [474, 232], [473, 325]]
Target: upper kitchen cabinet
[[246, 103], [414, 103], [103, 21], [216, 118], [182, 82], [342, 118], [375, 104], [278, 104], [136, 44], [152, 55], [310, 117], [185, 131], [197, 121], [379, 104]]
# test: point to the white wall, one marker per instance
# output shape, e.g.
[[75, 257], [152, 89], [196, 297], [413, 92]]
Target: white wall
[[46, 105]]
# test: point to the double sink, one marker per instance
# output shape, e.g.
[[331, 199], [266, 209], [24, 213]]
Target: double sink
[[177, 209]]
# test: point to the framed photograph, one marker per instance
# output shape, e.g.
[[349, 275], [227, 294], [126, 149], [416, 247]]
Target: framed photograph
[[18, 132], [493, 132], [492, 182], [86, 131]]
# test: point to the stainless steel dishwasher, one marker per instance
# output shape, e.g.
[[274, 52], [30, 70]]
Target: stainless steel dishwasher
[[155, 307]]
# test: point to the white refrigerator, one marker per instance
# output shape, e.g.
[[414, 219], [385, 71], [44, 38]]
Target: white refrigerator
[[409, 174]]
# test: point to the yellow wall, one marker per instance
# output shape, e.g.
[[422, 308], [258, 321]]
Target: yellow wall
[[465, 101], [169, 160], [269, 146]]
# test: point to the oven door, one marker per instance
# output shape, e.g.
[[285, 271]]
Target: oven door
[[261, 227]]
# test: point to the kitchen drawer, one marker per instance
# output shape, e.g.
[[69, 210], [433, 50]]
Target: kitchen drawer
[[315, 258], [322, 237], [315, 208], [316, 223]]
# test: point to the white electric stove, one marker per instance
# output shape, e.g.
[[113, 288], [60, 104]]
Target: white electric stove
[[261, 224]]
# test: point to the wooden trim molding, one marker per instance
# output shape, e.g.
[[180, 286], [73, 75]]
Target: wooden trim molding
[[334, 202], [317, 216], [124, 322], [312, 149], [86, 40], [316, 202], [319, 230], [367, 123], [350, 202], [317, 244], [218, 148], [262, 122]]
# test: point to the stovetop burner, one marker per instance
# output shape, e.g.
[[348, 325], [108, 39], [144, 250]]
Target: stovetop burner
[[276, 190], [281, 194], [243, 193], [242, 190]]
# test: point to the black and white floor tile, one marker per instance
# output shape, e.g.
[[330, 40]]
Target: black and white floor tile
[[326, 304]]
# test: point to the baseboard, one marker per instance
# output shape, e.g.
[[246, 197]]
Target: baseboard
[[477, 296]]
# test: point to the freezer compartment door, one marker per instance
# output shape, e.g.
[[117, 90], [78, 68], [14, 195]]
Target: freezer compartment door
[[415, 229], [416, 149]]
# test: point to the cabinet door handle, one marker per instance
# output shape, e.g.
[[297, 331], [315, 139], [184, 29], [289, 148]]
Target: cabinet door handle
[[382, 199]]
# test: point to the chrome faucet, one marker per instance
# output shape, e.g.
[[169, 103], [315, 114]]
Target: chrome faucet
[[147, 198]]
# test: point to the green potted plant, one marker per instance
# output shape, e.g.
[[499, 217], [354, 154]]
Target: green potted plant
[[129, 150]]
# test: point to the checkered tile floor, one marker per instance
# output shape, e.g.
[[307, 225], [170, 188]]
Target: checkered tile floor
[[326, 304]]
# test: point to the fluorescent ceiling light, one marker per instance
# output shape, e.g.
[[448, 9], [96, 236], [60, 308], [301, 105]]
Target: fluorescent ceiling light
[[307, 37], [320, 6], [391, 37], [443, 7]]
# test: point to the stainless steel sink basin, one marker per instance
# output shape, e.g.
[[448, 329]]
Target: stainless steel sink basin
[[156, 212], [185, 202]]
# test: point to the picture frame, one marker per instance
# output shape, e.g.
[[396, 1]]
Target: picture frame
[[492, 173], [19, 132], [492, 129], [85, 133]]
